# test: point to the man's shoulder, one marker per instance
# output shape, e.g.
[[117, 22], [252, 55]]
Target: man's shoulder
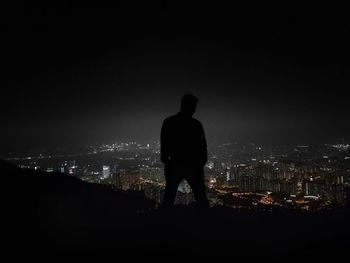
[[177, 118], [196, 121], [170, 118]]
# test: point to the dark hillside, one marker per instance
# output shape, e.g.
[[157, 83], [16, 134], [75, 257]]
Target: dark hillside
[[56, 214]]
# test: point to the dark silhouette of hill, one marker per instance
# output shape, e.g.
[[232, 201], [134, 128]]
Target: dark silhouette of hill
[[55, 214]]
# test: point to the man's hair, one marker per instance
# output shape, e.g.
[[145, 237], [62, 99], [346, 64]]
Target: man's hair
[[188, 99]]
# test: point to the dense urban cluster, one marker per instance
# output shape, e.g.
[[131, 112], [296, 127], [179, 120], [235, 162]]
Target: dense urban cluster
[[239, 176]]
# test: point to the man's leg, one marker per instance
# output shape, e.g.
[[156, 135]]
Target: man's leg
[[172, 181], [196, 181]]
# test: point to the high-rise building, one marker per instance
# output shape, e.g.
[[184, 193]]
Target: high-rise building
[[106, 171]]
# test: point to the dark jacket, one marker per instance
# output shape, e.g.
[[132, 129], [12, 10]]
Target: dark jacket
[[183, 140]]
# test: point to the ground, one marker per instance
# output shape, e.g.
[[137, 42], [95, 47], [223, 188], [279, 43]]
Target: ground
[[48, 214]]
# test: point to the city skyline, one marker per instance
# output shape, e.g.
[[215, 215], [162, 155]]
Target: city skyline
[[238, 176]]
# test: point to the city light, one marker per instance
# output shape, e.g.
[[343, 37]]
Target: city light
[[247, 180]]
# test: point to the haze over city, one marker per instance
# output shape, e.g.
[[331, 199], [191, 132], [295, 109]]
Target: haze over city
[[275, 77]]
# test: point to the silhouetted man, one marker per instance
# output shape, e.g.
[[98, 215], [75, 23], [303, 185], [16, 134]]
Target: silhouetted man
[[184, 152]]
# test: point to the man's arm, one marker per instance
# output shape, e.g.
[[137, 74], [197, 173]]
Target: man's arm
[[164, 155], [203, 146]]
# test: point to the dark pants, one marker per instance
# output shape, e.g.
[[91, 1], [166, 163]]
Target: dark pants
[[193, 174]]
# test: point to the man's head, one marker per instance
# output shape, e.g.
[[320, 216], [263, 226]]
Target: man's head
[[189, 104]]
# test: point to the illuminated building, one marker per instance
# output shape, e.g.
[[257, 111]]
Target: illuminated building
[[106, 171], [184, 187], [155, 174], [128, 180]]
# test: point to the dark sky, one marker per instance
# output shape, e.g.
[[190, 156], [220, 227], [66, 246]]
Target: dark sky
[[275, 74]]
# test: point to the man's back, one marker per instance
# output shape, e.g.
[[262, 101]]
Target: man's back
[[184, 152], [183, 140]]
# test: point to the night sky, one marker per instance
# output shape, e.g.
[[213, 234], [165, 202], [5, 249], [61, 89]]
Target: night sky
[[273, 74]]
